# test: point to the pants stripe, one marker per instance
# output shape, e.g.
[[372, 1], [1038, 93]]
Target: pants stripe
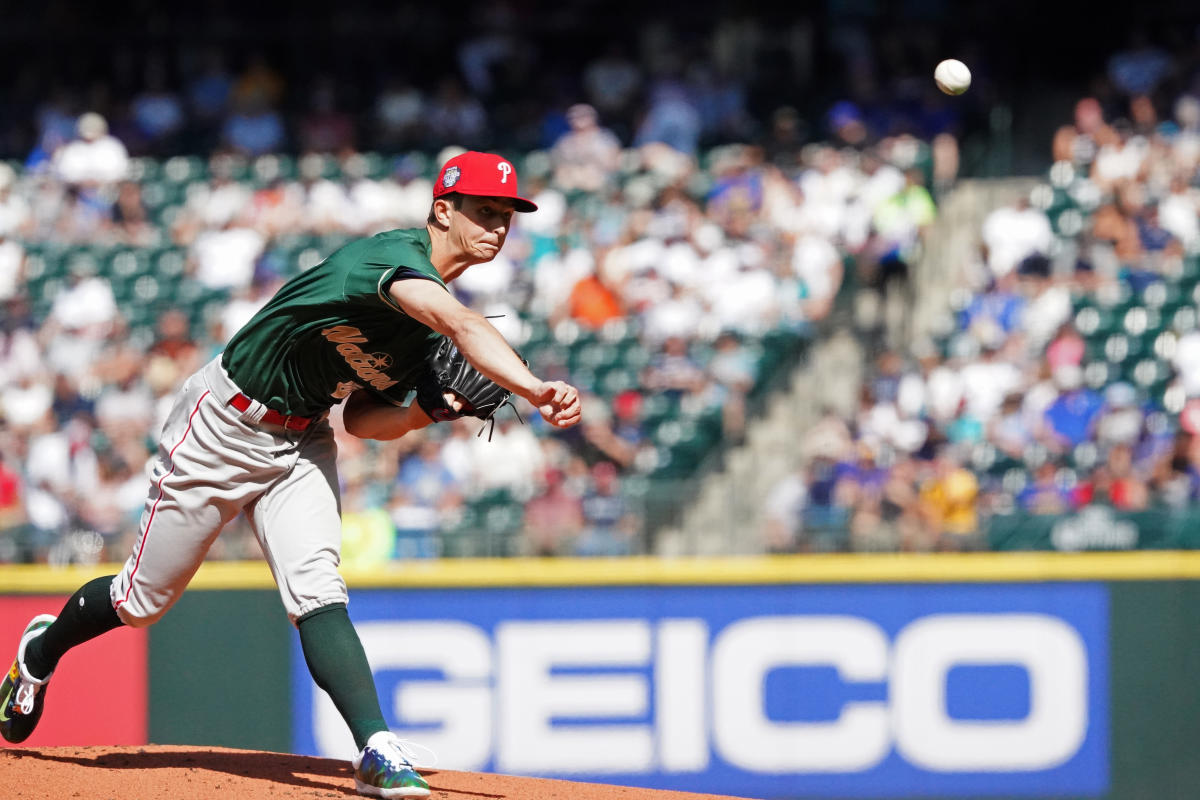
[[154, 508]]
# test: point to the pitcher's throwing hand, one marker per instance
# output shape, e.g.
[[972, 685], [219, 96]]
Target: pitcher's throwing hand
[[558, 403]]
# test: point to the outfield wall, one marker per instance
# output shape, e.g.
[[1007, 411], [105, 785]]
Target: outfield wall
[[970, 675]]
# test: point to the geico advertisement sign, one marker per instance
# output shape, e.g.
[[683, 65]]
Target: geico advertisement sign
[[812, 699], [512, 694]]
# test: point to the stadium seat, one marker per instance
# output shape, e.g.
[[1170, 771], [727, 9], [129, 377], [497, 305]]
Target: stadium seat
[[266, 169], [184, 169]]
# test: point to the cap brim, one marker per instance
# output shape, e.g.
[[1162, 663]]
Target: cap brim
[[521, 204]]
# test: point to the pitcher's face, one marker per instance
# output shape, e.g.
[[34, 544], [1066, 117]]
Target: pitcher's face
[[479, 228]]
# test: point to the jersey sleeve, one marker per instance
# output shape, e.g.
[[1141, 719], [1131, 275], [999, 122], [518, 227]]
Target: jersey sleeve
[[369, 280]]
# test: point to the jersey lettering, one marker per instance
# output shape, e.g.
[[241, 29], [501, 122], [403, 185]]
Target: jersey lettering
[[364, 364], [343, 333], [345, 389]]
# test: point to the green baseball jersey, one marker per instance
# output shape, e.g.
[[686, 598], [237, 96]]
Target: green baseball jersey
[[334, 329]]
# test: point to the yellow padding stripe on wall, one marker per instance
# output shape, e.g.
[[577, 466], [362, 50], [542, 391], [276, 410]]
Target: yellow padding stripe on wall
[[641, 571]]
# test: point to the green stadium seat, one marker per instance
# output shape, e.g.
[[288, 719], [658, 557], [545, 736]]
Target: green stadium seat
[[272, 167], [1184, 319], [616, 380], [144, 169], [593, 356], [184, 169], [1098, 373], [170, 263]]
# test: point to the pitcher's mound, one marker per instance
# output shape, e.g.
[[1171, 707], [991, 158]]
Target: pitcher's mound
[[187, 772]]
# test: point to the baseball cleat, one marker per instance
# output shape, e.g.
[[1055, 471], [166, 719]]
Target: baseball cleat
[[22, 695], [383, 769]]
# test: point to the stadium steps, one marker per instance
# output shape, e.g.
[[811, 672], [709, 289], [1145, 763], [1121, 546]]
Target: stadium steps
[[727, 515], [952, 242]]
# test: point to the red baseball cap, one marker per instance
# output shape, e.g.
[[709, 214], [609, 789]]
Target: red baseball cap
[[481, 174]]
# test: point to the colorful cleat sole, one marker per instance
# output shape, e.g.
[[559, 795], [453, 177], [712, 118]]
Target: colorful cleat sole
[[15, 724]]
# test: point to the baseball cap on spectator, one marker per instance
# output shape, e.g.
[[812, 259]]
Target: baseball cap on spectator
[[482, 175]]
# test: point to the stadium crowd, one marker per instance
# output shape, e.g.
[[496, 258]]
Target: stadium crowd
[[1068, 375], [688, 208], [121, 273]]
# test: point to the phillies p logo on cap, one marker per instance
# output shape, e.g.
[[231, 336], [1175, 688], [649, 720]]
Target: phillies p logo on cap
[[482, 175]]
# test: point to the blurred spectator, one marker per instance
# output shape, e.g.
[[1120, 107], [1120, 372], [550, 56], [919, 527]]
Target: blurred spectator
[[899, 224], [1179, 214], [368, 535], [720, 100], [93, 158], [12, 515], [610, 527], [325, 204], [158, 112], [948, 505], [1079, 142], [455, 116], [416, 523], [1013, 234], [208, 91], [260, 85], [512, 460], [1125, 489], [130, 222], [253, 128], [325, 128], [423, 477], [175, 342], [785, 137], [20, 352], [733, 371], [674, 373], [225, 258], [12, 267], [586, 157], [1071, 418], [592, 303], [671, 119], [783, 512], [612, 81], [16, 218], [213, 205], [399, 115], [25, 402], [553, 519], [1139, 68], [1044, 494]]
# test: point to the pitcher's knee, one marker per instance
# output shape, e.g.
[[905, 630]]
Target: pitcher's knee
[[136, 617]]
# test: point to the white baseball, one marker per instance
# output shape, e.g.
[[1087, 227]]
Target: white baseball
[[952, 76]]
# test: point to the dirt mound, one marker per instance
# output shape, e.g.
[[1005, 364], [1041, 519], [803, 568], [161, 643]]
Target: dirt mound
[[183, 772]]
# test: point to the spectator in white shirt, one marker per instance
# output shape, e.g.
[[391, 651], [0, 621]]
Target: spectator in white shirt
[[95, 157], [1177, 213], [1012, 234], [225, 259]]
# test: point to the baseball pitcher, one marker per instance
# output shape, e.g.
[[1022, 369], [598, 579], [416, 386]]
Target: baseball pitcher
[[248, 434]]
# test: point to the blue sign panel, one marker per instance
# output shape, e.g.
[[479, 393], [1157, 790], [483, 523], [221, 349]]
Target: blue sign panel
[[754, 691]]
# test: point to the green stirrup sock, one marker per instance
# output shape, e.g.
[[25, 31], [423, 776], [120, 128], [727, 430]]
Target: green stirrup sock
[[339, 665], [85, 616]]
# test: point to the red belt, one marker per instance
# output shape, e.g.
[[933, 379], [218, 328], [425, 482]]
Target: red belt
[[272, 417]]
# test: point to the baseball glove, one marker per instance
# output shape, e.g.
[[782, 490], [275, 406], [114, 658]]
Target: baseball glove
[[446, 370]]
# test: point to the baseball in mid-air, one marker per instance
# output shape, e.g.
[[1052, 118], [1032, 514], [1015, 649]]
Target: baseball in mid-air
[[952, 76]]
